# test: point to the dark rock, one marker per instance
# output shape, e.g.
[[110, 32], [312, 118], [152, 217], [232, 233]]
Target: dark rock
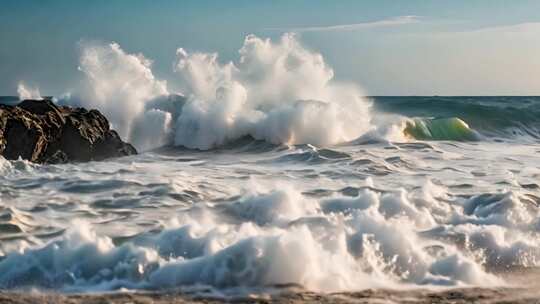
[[59, 157], [40, 131], [39, 107]]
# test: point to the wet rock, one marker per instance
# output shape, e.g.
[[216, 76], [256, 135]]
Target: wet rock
[[42, 132]]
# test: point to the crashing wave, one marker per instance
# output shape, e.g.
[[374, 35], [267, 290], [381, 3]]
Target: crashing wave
[[508, 118], [452, 128], [26, 92], [279, 92], [369, 240]]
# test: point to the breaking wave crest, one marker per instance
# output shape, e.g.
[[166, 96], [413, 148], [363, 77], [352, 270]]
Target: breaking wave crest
[[440, 129], [464, 118], [368, 240], [279, 92]]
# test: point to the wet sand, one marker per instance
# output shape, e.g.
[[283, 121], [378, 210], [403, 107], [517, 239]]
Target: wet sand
[[525, 288], [464, 295]]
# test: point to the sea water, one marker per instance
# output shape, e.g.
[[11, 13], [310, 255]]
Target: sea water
[[266, 172]]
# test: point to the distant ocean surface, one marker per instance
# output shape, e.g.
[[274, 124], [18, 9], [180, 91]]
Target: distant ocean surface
[[510, 118], [446, 193]]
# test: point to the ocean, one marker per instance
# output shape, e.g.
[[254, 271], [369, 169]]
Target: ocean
[[444, 194]]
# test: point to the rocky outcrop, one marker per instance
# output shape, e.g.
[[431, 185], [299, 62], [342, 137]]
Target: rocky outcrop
[[42, 132]]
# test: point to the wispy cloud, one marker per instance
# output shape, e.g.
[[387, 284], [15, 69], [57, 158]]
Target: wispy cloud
[[395, 21], [526, 29], [523, 28]]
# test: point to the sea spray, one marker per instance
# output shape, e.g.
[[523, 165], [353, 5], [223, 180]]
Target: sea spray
[[280, 92], [120, 84], [26, 92], [277, 91]]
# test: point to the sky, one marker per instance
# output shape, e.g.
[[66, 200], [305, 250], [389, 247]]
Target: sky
[[413, 47]]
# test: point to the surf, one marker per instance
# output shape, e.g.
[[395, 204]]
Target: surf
[[275, 91], [453, 129]]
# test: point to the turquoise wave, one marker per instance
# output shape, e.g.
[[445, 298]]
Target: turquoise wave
[[452, 128]]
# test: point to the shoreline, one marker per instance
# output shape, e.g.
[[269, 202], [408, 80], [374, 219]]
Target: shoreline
[[454, 295]]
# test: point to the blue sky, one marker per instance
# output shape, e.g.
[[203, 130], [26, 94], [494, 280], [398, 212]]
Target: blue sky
[[460, 47]]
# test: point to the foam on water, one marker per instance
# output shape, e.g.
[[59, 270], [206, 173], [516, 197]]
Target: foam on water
[[285, 175], [374, 239]]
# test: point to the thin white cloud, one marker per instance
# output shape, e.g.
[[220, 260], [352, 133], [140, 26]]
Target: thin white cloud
[[526, 27], [395, 21]]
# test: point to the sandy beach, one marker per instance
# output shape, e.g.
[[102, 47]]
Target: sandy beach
[[467, 295]]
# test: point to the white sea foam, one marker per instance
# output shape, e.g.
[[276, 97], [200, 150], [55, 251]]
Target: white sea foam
[[280, 237], [345, 217]]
